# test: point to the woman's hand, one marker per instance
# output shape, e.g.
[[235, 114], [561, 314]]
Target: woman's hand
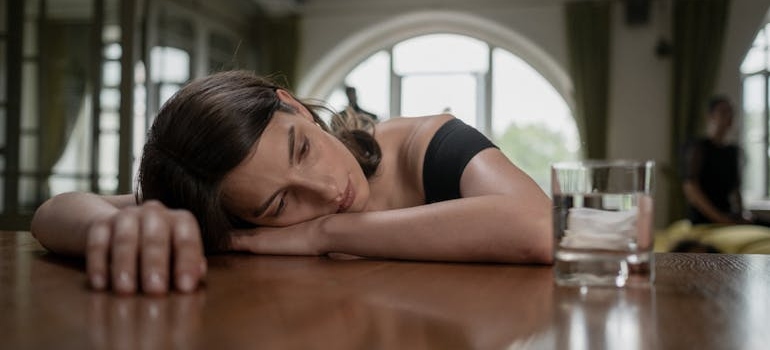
[[304, 238], [149, 247]]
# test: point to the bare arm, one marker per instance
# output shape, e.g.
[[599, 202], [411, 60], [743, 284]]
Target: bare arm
[[698, 199], [126, 246], [693, 191], [73, 213], [504, 217], [468, 229]]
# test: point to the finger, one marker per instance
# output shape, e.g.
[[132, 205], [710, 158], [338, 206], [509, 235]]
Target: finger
[[124, 253], [238, 242], [245, 241], [97, 254], [154, 252], [188, 252]]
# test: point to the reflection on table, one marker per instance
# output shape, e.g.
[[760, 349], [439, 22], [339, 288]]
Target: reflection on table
[[699, 301]]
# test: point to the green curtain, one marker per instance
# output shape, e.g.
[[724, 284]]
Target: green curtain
[[698, 32], [588, 38], [63, 79], [279, 46]]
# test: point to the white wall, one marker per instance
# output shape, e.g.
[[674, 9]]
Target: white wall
[[639, 80]]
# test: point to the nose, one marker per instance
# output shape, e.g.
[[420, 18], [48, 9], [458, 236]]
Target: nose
[[321, 186]]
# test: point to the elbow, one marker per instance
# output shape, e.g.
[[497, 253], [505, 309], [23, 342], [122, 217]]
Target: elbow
[[534, 254], [542, 253], [543, 235], [538, 248], [38, 218], [545, 256]]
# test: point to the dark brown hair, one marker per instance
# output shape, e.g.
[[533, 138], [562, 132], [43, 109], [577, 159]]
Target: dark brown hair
[[209, 127]]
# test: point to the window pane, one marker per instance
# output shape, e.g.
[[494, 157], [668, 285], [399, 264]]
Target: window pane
[[66, 183], [166, 91], [753, 136], [531, 122], [113, 52], [753, 171], [371, 79], [111, 34], [753, 109], [434, 94], [27, 193], [521, 95], [110, 99], [754, 61], [337, 101], [440, 53], [28, 153], [109, 121], [760, 40], [111, 74], [169, 64], [108, 154], [29, 100], [108, 184]]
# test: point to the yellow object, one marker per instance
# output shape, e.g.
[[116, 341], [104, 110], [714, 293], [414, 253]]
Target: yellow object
[[732, 239]]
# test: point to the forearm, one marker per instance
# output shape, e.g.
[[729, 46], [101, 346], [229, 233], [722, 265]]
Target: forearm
[[61, 223], [488, 228], [699, 200]]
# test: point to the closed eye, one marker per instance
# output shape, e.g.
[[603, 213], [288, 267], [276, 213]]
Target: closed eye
[[281, 206], [304, 148]]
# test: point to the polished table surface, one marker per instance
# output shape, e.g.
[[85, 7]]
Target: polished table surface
[[699, 301]]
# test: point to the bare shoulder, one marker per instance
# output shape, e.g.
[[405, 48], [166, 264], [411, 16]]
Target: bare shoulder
[[412, 133], [403, 142]]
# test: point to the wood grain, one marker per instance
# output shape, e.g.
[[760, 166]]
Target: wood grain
[[699, 301]]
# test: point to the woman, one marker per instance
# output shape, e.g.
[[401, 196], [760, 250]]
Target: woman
[[235, 163]]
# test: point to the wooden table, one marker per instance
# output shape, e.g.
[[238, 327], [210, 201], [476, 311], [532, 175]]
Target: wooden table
[[699, 301]]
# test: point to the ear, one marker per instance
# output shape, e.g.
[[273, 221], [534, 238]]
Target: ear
[[287, 98]]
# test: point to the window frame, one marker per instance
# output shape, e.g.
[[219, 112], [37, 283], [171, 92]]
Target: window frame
[[764, 140]]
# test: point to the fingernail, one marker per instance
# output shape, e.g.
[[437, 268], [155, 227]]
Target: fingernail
[[124, 282], [203, 268], [155, 282], [185, 283], [98, 282]]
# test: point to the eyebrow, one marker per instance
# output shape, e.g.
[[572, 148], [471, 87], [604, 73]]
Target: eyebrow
[[263, 207], [291, 145]]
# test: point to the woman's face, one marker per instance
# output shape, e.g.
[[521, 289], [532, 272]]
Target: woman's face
[[721, 119], [295, 173]]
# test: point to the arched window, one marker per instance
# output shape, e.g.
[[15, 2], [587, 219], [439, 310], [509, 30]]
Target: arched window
[[487, 87], [755, 74]]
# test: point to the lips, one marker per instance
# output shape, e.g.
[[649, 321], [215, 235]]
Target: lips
[[347, 198]]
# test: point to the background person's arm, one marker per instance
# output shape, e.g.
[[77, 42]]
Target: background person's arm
[[698, 199]]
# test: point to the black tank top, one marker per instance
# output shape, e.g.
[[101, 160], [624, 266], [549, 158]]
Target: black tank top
[[449, 151]]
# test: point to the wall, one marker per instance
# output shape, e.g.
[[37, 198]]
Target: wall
[[639, 83]]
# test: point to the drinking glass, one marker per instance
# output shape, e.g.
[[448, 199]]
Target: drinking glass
[[602, 222]]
